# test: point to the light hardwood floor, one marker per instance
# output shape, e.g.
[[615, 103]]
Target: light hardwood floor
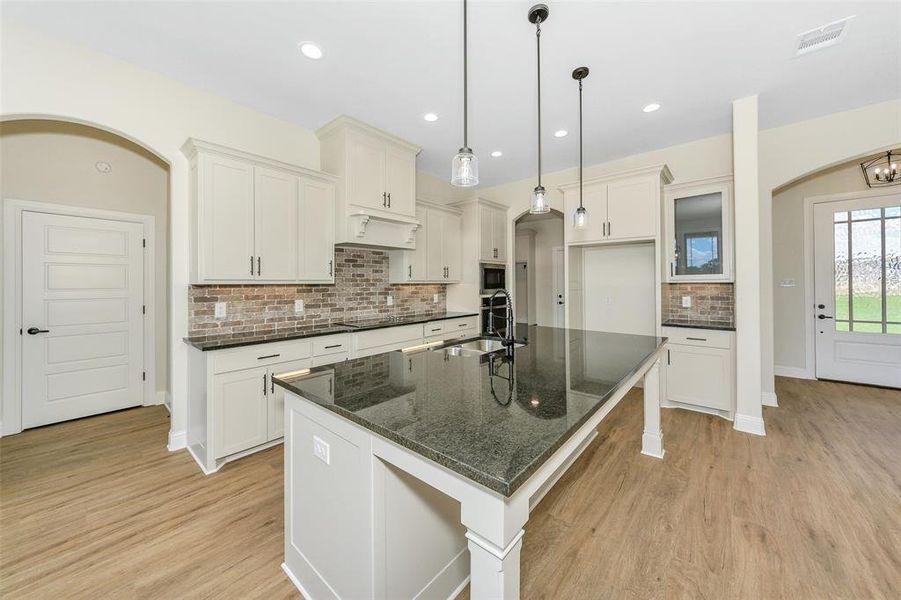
[[98, 508]]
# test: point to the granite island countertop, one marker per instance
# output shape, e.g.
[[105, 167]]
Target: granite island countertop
[[492, 420], [366, 323]]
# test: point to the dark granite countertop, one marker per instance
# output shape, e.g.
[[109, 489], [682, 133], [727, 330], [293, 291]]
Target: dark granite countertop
[[699, 325], [462, 411], [236, 340]]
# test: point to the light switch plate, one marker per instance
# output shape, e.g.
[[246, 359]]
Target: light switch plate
[[435, 298], [389, 300], [220, 310], [320, 449], [787, 283], [298, 307], [686, 301]]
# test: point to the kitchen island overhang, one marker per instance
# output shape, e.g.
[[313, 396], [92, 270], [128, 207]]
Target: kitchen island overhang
[[378, 500]]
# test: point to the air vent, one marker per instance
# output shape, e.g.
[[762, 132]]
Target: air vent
[[822, 37]]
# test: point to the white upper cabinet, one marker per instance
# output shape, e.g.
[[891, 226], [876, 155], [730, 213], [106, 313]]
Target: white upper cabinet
[[492, 233], [699, 230], [620, 207], [376, 194], [437, 258], [258, 220]]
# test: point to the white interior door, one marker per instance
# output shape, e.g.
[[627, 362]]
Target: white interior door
[[559, 287], [857, 282], [522, 292], [82, 296]]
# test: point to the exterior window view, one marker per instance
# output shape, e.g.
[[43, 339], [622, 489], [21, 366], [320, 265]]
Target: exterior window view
[[450, 299]]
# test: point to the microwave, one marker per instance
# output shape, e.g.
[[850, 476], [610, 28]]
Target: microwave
[[493, 278]]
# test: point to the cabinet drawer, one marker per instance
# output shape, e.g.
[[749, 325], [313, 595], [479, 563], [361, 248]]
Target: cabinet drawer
[[710, 338], [260, 355], [433, 328], [331, 344], [388, 336], [461, 324], [329, 359]]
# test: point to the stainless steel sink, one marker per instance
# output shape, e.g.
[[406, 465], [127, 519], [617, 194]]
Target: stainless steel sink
[[474, 347]]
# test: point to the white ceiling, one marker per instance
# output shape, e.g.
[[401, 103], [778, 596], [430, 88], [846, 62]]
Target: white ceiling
[[388, 63]]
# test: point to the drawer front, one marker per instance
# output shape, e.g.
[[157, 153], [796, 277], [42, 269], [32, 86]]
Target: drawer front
[[432, 329], [388, 336], [331, 344], [700, 376], [461, 324], [330, 359], [260, 355], [710, 338]]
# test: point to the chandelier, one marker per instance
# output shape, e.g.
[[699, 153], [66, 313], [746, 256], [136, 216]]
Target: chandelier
[[882, 171]]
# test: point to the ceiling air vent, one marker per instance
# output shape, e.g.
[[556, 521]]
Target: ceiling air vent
[[822, 37]]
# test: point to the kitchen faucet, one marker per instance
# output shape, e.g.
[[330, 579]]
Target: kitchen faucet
[[508, 339]]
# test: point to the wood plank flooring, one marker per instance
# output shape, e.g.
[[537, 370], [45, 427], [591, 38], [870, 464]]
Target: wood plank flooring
[[98, 508]]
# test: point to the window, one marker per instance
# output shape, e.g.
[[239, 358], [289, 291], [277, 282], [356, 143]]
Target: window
[[868, 270], [702, 252]]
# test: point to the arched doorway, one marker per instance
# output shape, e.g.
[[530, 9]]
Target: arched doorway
[[103, 187], [538, 275]]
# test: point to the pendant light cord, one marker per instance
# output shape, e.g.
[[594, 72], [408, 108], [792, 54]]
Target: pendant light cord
[[465, 81], [538, 45], [580, 143]]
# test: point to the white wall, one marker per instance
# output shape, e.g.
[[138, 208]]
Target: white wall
[[790, 309], [619, 289], [52, 161]]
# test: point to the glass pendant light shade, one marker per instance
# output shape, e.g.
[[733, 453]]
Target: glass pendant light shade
[[465, 169], [539, 205], [580, 218]]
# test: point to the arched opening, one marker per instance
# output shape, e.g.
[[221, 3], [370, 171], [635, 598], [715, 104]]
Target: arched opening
[[538, 281], [111, 195]]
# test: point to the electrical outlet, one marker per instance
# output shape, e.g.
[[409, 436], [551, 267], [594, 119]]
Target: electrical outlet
[[435, 298], [320, 449], [389, 300], [686, 301], [298, 307], [220, 310]]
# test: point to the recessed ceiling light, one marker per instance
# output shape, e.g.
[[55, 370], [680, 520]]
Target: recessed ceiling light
[[430, 117], [497, 153], [103, 167], [561, 133], [311, 50], [651, 107]]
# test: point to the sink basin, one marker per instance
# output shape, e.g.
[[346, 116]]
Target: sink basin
[[474, 347]]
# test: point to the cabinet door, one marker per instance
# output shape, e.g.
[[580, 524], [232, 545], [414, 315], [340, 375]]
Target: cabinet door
[[365, 178], [486, 232], [240, 410], [276, 398], [499, 234], [632, 208], [434, 245], [275, 225], [400, 180], [699, 376], [316, 225], [417, 266], [225, 219], [594, 199], [451, 251]]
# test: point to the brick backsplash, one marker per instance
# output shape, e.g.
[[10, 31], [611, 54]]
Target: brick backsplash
[[711, 303], [360, 290]]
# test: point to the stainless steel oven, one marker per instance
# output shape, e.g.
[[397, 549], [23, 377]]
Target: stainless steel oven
[[493, 278]]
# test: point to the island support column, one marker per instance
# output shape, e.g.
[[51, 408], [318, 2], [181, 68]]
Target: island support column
[[652, 439]]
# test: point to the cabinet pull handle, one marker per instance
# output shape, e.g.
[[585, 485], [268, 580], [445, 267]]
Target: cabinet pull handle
[[439, 329], [672, 269], [330, 380], [410, 365], [268, 356], [251, 265], [696, 339], [330, 268], [409, 271], [265, 389], [333, 346], [667, 357], [389, 199], [272, 385], [259, 268], [385, 199], [609, 228], [462, 324]]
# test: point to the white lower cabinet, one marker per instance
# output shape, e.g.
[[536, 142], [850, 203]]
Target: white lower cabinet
[[700, 370], [240, 409]]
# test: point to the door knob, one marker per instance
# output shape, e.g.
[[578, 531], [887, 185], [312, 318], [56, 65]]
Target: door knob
[[35, 331], [821, 317]]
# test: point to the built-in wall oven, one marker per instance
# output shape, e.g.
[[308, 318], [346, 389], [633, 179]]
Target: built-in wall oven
[[493, 278]]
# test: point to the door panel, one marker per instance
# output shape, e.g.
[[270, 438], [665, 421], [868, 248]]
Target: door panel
[[226, 217], [365, 171], [275, 229], [594, 199], [240, 410], [486, 242], [451, 251], [83, 280], [499, 233], [699, 376], [276, 398], [632, 208], [317, 231], [418, 259], [400, 180], [857, 281], [434, 248]]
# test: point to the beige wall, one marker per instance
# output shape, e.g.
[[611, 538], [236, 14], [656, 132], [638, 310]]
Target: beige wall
[[52, 161], [790, 310], [546, 234]]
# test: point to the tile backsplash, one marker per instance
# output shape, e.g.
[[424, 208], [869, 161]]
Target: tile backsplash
[[711, 303], [360, 289]]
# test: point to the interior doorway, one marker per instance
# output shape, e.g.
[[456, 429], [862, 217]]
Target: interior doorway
[[538, 246]]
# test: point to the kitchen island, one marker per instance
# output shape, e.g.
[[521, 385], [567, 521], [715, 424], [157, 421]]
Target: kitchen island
[[408, 472]]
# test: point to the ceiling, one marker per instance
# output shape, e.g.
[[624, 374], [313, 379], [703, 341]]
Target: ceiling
[[388, 63]]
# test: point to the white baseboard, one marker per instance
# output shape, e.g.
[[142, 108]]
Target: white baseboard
[[749, 424], [162, 397], [795, 372], [769, 399], [296, 582], [177, 440]]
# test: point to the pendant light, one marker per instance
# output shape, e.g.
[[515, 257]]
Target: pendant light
[[580, 217], [538, 14], [465, 166]]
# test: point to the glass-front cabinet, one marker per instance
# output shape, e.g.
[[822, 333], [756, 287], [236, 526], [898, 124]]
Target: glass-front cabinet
[[699, 230]]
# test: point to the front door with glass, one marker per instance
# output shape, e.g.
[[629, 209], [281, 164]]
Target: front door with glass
[[857, 282]]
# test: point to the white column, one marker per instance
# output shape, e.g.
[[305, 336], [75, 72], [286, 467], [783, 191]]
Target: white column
[[179, 278], [748, 372], [652, 439], [494, 571]]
